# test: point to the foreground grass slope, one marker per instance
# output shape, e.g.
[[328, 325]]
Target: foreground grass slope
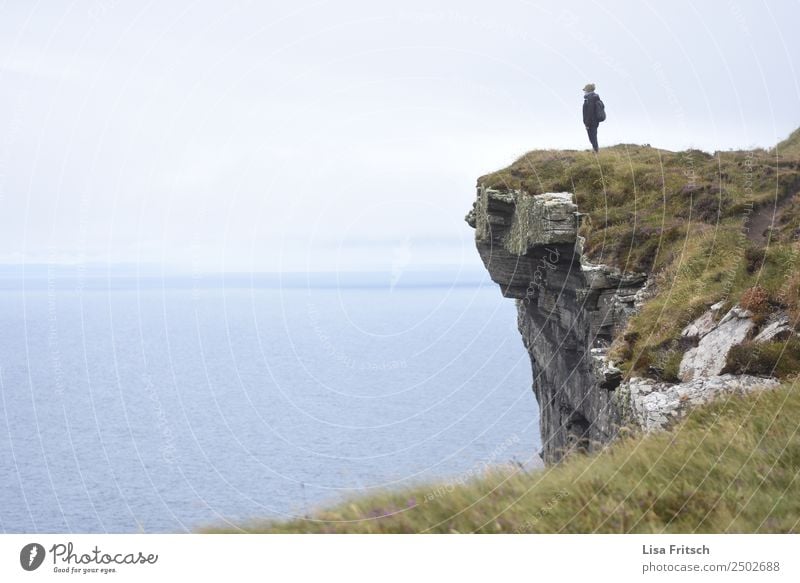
[[731, 466]]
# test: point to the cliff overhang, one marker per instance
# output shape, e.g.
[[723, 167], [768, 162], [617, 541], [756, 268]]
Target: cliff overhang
[[569, 311]]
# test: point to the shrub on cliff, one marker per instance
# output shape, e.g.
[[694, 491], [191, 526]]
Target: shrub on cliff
[[755, 299]]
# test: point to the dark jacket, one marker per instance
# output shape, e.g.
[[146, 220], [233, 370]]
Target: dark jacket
[[590, 109]]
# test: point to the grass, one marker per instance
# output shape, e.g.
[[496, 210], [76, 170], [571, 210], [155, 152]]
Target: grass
[[730, 466], [693, 220], [778, 359]]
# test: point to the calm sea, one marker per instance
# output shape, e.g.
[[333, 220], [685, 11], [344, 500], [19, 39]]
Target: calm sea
[[165, 405]]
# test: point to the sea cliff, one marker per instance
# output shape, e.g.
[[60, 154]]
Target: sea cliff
[[624, 341]]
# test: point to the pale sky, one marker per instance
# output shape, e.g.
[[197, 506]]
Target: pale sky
[[341, 135]]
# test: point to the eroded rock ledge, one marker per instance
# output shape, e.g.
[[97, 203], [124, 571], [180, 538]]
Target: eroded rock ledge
[[568, 312]]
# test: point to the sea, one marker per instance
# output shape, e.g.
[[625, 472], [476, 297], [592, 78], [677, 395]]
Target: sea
[[174, 403]]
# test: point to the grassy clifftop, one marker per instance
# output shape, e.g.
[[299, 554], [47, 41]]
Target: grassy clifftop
[[640, 201], [732, 466], [708, 227]]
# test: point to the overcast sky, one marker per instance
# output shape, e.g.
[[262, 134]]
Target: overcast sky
[[238, 135]]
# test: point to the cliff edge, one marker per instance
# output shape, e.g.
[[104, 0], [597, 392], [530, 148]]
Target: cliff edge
[[568, 311], [613, 347]]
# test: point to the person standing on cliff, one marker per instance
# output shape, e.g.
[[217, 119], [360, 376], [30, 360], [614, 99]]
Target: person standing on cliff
[[593, 113]]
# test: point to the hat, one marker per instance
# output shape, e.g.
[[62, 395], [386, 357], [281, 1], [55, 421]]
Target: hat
[[589, 87]]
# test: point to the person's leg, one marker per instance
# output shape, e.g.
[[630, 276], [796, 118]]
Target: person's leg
[[592, 131]]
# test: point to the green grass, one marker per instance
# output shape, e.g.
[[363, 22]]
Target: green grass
[[789, 148], [642, 201], [731, 466], [779, 358]]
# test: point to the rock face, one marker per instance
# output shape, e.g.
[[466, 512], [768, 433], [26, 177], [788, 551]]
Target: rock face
[[569, 311], [565, 309]]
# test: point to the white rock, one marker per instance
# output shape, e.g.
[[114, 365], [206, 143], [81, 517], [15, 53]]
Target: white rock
[[779, 327], [654, 403], [704, 324], [736, 312], [708, 358], [701, 326]]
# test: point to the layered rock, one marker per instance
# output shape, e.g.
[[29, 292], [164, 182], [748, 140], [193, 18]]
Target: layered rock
[[567, 311]]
